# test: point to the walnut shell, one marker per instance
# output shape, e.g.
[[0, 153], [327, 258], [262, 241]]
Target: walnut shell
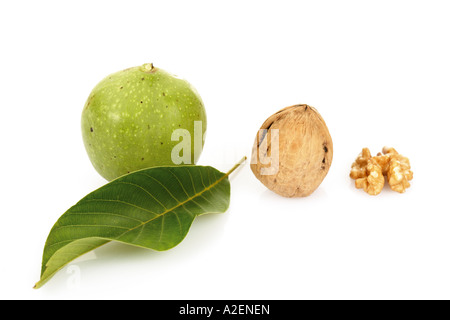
[[301, 160]]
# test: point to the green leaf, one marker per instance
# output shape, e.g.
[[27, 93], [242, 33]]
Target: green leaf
[[152, 208]]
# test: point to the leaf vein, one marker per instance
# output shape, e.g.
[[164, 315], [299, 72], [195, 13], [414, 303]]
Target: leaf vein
[[182, 187], [181, 203], [162, 185], [162, 227], [179, 222], [123, 202], [89, 225], [201, 178], [105, 213], [192, 181], [206, 199], [145, 190]]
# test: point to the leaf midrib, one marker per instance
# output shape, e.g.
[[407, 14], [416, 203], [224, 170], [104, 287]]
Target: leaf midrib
[[177, 206]]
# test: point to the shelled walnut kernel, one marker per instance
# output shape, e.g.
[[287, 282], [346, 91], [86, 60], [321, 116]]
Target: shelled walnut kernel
[[373, 181], [369, 172]]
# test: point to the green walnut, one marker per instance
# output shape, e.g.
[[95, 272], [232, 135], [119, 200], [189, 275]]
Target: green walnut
[[135, 119]]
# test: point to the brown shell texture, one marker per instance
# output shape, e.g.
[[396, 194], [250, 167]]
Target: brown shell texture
[[305, 151]]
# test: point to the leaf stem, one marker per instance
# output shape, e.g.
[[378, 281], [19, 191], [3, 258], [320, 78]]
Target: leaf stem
[[235, 166]]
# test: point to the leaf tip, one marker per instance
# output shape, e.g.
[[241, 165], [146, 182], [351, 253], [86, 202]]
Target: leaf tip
[[38, 284]]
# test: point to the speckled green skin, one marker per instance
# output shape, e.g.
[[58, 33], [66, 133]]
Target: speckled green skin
[[128, 119]]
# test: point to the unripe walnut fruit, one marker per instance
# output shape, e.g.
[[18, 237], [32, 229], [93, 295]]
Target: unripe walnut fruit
[[293, 151]]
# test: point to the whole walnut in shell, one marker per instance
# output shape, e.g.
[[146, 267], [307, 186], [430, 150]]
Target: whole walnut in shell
[[293, 151]]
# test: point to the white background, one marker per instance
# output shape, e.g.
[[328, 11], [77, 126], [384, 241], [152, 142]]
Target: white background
[[378, 72]]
